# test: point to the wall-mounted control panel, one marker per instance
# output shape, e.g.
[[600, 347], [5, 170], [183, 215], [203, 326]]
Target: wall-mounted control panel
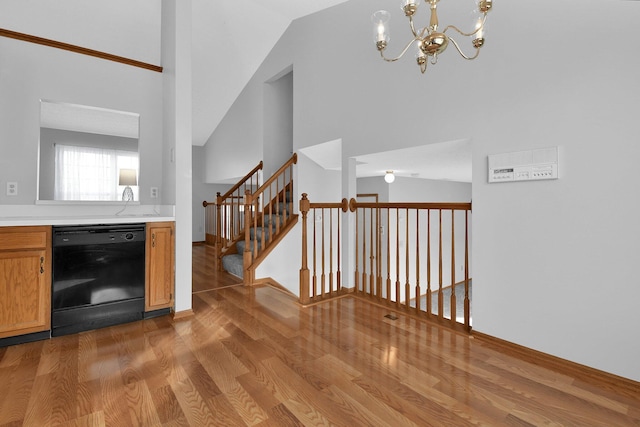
[[533, 165]]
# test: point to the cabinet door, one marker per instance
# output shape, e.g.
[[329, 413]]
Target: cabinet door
[[25, 292], [160, 266]]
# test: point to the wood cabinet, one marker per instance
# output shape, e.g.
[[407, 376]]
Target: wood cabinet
[[25, 280], [160, 261]]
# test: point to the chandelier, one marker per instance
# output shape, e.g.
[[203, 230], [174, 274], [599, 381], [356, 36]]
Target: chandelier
[[430, 41]]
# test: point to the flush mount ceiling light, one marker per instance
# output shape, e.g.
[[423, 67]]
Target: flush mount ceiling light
[[429, 40], [389, 177]]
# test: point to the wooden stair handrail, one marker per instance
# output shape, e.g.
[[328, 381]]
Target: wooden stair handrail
[[206, 203], [228, 205], [292, 161], [253, 203], [239, 183]]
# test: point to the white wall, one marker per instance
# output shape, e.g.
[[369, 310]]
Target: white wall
[[30, 72], [126, 28], [176, 50], [283, 263], [235, 147], [278, 123], [201, 192], [374, 185], [428, 190], [553, 259]]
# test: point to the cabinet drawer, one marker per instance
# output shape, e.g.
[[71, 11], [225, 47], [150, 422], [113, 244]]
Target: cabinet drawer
[[19, 238]]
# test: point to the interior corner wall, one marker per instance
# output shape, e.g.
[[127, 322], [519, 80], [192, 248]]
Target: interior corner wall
[[321, 185], [550, 257], [202, 192], [236, 145], [278, 123]]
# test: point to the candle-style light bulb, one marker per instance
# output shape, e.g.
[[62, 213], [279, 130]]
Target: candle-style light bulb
[[380, 21], [409, 6]]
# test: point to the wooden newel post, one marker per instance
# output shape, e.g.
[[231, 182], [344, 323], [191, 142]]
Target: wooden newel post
[[247, 256], [219, 230], [304, 270]]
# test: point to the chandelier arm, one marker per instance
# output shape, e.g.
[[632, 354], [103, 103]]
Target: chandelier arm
[[413, 28], [401, 53], [484, 18], [455, 43]]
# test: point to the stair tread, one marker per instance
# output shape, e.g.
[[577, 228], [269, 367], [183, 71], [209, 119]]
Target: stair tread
[[234, 263]]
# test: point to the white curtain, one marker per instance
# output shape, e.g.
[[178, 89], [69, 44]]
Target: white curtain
[[88, 173]]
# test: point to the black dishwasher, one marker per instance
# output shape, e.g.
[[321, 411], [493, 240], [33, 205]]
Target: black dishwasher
[[98, 276]]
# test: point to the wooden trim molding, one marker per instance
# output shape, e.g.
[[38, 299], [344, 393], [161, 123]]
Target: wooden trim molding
[[576, 370], [269, 281], [78, 49], [183, 314]]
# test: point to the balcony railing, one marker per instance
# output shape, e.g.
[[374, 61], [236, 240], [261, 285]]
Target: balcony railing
[[411, 257]]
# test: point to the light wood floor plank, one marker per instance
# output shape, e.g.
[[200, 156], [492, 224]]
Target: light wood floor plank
[[65, 381], [167, 406], [39, 409], [254, 357], [245, 406], [22, 382], [193, 405], [347, 403], [89, 420]]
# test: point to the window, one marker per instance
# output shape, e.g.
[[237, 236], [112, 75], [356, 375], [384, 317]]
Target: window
[[88, 173]]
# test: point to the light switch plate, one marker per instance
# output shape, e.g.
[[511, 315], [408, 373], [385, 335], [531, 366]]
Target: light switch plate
[[12, 188]]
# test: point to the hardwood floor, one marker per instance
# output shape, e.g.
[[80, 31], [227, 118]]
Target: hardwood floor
[[205, 271], [252, 356]]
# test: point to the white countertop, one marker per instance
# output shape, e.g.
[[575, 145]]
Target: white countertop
[[82, 214], [81, 220]]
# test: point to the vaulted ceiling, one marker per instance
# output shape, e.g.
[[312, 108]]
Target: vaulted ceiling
[[230, 39]]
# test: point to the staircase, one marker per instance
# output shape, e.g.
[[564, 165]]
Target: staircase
[[258, 235], [250, 225]]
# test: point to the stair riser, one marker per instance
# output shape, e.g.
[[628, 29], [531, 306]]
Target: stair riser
[[233, 264]]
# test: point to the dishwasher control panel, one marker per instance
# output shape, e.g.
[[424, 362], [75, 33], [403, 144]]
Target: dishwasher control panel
[[98, 234]]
